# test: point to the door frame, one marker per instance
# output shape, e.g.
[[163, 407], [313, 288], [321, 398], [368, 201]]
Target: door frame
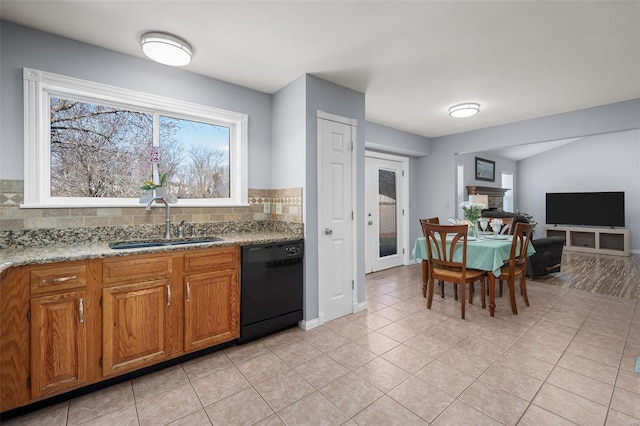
[[404, 201], [321, 115]]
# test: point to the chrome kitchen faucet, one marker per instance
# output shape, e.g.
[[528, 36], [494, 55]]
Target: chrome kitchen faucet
[[167, 234]]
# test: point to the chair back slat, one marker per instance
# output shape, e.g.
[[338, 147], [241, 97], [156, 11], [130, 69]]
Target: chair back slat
[[520, 244], [440, 253]]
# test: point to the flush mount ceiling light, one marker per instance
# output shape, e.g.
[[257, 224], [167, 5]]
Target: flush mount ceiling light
[[464, 110], [166, 49]]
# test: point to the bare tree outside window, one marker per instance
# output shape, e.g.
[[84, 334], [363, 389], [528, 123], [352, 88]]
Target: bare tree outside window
[[103, 151], [97, 150]]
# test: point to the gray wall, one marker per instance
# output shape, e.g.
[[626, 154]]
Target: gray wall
[[331, 98], [24, 47], [609, 162], [439, 168]]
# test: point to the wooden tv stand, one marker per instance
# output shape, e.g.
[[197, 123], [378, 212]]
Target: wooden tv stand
[[588, 239]]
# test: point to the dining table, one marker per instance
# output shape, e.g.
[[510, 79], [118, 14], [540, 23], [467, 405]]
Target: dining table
[[487, 252]]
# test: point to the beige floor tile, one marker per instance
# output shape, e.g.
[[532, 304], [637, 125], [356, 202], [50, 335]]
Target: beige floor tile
[[422, 399], [629, 381], [400, 332], [600, 340], [579, 384], [610, 328], [351, 394], [127, 416], [205, 365], [55, 415], [536, 416], [460, 413], [392, 313], [98, 403], [280, 339], [556, 340], [382, 374], [407, 358], [588, 367], [158, 382], [607, 356], [372, 321], [325, 339], [244, 408], [352, 331], [415, 304], [377, 343], [494, 402], [386, 299], [428, 344], [219, 385], [565, 320], [284, 389], [351, 356], [446, 378], [197, 418], [537, 350], [570, 406], [262, 367], [469, 363], [296, 353], [272, 420], [525, 364], [314, 409], [168, 406], [616, 418], [386, 411], [245, 352], [626, 402], [321, 371], [516, 383]]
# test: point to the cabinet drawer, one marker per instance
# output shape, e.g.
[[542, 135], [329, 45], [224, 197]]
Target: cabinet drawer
[[59, 277], [136, 269], [214, 259]]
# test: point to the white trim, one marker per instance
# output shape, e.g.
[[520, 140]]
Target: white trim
[[39, 85], [338, 119], [405, 198], [321, 115], [309, 324], [357, 307]]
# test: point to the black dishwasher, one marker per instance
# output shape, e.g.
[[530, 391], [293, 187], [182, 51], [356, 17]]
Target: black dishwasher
[[271, 288]]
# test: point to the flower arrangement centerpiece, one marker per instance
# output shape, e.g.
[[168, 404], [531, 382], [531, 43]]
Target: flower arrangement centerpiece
[[496, 224], [472, 211]]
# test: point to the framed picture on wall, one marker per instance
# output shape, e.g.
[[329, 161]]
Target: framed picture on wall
[[485, 170]]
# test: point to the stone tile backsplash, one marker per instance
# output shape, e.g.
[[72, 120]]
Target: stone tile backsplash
[[13, 218]]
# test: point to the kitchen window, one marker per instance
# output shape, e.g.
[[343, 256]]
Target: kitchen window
[[92, 145]]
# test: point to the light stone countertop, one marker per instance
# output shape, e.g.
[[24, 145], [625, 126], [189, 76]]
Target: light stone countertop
[[49, 253]]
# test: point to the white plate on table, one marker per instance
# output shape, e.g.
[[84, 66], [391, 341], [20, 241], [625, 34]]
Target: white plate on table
[[496, 237]]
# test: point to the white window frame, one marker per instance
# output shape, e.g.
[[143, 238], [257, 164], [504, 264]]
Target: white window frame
[[40, 85]]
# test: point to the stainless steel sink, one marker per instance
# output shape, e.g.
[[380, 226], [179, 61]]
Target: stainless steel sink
[[159, 243]]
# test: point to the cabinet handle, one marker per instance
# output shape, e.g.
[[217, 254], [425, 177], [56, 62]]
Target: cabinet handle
[[168, 294], [188, 291], [59, 279], [81, 310]]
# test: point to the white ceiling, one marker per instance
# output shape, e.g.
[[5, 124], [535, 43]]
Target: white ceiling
[[413, 59], [520, 152]]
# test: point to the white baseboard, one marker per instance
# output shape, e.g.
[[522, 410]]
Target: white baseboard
[[357, 307], [308, 325]]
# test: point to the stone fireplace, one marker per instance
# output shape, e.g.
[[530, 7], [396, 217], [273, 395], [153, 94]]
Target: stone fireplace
[[496, 195]]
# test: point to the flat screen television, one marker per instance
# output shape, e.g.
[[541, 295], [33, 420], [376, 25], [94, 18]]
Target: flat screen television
[[585, 208]]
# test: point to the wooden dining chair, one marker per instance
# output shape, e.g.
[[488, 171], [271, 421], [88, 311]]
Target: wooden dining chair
[[441, 264], [507, 225], [516, 265], [425, 266]]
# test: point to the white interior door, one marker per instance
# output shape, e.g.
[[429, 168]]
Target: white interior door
[[335, 219], [384, 213]]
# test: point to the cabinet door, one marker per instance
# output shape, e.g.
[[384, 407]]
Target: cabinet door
[[212, 308], [134, 325], [58, 343]]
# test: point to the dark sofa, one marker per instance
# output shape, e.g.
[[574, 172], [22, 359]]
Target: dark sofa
[[548, 256]]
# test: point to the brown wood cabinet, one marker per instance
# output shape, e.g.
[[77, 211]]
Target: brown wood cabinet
[[70, 324]]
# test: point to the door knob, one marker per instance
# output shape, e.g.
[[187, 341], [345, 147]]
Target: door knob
[[370, 223], [328, 231]]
